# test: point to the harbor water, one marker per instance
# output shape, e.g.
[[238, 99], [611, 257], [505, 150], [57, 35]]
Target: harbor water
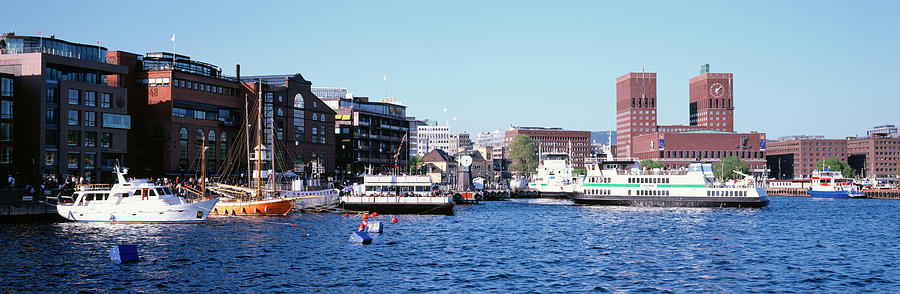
[[796, 244]]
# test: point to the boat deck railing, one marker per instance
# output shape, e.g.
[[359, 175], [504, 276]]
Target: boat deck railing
[[632, 172], [397, 199], [94, 187]]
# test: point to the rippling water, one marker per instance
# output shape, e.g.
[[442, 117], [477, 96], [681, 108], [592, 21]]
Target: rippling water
[[794, 245]]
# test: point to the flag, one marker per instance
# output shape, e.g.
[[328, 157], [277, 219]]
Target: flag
[[41, 32], [384, 78], [98, 42], [173, 37]]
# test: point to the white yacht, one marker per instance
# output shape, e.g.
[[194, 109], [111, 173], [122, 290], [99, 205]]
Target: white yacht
[[625, 183], [136, 201], [554, 177]]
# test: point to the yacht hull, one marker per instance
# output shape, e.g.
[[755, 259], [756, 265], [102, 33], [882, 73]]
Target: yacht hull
[[190, 213]]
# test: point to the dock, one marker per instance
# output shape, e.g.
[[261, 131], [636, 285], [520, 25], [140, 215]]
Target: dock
[[797, 192], [882, 193]]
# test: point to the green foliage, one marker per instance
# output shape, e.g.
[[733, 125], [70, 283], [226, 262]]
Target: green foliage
[[836, 164], [416, 165], [522, 155], [579, 171], [651, 164], [726, 167]]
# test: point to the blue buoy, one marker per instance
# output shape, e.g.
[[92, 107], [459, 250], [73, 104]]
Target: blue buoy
[[123, 253], [360, 238], [375, 227]]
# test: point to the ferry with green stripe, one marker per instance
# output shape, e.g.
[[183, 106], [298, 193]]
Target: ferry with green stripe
[[624, 182]]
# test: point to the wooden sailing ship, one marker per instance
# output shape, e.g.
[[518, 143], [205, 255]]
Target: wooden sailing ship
[[254, 200]]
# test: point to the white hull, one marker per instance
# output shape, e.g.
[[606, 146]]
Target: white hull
[[139, 212]]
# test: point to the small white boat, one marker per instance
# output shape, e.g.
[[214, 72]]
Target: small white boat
[[136, 201]]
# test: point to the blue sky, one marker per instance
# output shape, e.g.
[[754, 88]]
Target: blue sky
[[801, 67]]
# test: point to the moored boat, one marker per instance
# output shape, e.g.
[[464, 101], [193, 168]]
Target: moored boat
[[832, 184], [136, 201], [390, 194], [554, 177], [625, 183]]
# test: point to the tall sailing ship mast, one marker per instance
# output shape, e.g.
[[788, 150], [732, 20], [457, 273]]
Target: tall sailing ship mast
[[261, 202]]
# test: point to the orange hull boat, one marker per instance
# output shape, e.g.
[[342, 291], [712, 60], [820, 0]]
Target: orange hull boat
[[273, 207]]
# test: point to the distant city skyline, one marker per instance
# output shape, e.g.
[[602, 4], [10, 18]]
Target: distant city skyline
[[491, 64]]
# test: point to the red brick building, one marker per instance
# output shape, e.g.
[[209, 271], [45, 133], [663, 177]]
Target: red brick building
[[709, 136], [635, 108], [876, 156], [678, 149], [68, 121], [577, 144], [711, 101], [796, 157], [175, 105]]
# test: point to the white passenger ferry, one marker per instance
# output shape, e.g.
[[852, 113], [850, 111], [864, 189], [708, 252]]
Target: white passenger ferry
[[554, 176], [625, 183], [397, 194], [135, 201]]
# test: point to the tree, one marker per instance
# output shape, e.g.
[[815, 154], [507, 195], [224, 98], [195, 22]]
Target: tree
[[836, 164], [416, 165], [726, 167], [651, 164], [522, 155], [579, 171]]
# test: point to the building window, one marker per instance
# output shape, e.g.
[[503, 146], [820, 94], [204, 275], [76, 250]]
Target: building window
[[6, 109], [322, 133], [51, 116], [73, 97], [6, 132], [298, 128], [51, 137], [183, 146], [52, 96], [89, 160], [73, 117], [106, 140], [50, 158], [90, 98], [5, 155], [116, 121], [74, 138], [6, 87], [73, 160], [105, 100], [298, 101], [90, 139], [90, 119]]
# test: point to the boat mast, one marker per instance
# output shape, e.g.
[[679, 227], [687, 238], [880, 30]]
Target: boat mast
[[247, 132], [203, 167], [272, 147], [259, 140]]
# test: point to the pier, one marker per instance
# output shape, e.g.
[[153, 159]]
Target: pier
[[882, 193], [787, 192]]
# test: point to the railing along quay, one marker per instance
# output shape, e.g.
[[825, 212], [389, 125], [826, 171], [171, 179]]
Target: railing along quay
[[787, 192], [882, 193]]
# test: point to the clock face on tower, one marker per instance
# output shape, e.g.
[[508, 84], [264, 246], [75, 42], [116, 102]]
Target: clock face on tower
[[717, 90]]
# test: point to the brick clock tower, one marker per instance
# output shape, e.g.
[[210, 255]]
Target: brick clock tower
[[635, 108], [712, 100]]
